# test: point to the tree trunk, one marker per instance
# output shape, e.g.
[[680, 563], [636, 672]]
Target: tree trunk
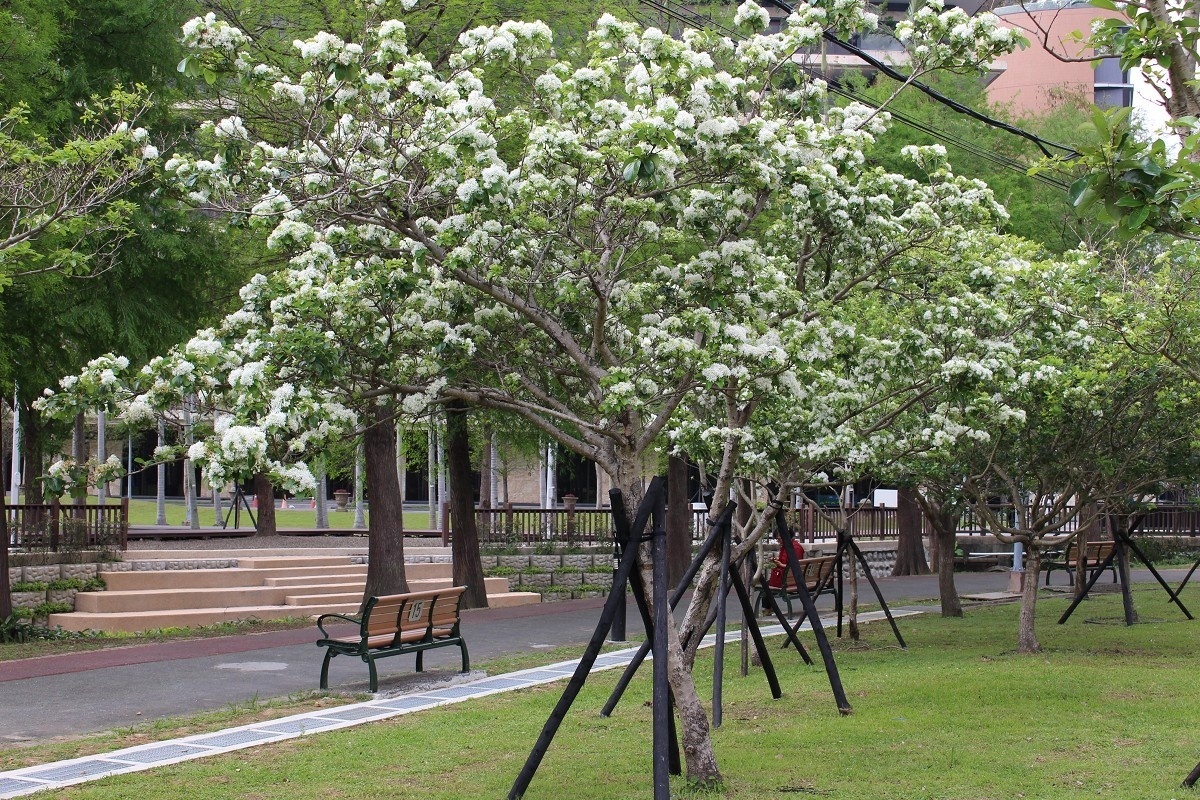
[[385, 536], [464, 545], [33, 434], [264, 495], [1026, 630], [1121, 534], [946, 530], [6, 608], [679, 514], [853, 604], [486, 468], [696, 740], [910, 551], [80, 454]]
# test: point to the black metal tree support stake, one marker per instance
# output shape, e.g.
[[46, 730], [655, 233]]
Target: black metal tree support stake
[[719, 649], [847, 543], [810, 610], [1194, 775], [618, 626], [725, 520], [887, 612], [662, 688], [1124, 541], [751, 624], [235, 508], [791, 636], [615, 596], [621, 529], [644, 649]]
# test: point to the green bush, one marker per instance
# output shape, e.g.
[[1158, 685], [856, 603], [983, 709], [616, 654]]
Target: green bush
[[94, 584], [499, 572], [46, 609], [1165, 549], [30, 586]]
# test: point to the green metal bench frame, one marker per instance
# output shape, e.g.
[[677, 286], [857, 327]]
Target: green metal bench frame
[[394, 625]]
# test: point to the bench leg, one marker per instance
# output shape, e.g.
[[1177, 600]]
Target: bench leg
[[329, 654], [420, 661], [466, 659], [374, 675]]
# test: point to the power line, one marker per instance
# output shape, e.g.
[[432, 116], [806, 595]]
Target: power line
[[693, 19]]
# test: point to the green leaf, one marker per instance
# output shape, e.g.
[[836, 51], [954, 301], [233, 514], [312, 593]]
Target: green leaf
[[632, 167], [1076, 194], [1138, 218], [183, 65]]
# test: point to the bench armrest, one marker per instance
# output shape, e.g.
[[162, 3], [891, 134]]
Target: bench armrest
[[342, 617]]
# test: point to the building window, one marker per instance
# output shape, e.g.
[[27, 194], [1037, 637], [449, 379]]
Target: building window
[[1112, 86]]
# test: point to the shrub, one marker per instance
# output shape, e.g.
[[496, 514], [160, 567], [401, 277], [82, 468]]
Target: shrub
[[46, 609], [30, 586], [94, 584], [1165, 549]]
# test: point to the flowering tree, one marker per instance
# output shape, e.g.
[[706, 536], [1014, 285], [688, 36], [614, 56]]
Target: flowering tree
[[676, 219], [54, 197]]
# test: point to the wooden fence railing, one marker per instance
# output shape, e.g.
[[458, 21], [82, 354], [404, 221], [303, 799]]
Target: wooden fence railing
[[54, 527], [512, 526]]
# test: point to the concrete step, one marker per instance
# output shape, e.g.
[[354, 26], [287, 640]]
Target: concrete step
[[144, 580], [138, 621], [412, 571], [354, 593], [178, 599], [280, 562]]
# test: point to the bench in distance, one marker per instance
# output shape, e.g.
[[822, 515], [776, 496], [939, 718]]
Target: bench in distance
[[816, 571], [394, 625], [1094, 555]]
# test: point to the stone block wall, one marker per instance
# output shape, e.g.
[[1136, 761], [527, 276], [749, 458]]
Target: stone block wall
[[558, 576]]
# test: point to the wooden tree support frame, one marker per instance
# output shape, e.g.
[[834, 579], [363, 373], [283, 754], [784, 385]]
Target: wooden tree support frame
[[719, 530], [653, 505], [1120, 554]]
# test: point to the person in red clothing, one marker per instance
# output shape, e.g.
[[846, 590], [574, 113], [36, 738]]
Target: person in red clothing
[[776, 579]]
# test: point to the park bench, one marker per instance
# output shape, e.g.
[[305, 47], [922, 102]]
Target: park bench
[[394, 625], [817, 573], [1093, 558]]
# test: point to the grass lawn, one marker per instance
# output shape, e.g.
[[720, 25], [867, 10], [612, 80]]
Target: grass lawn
[[145, 512], [1104, 711]]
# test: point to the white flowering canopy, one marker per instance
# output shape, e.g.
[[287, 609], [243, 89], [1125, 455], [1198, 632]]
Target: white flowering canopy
[[590, 245]]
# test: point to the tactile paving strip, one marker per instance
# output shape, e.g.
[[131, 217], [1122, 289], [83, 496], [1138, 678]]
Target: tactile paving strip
[[234, 738], [298, 724], [354, 714], [154, 755], [11, 787], [74, 770]]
